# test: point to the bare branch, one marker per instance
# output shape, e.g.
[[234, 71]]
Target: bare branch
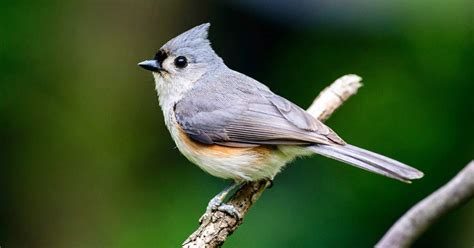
[[217, 226], [333, 96], [411, 225]]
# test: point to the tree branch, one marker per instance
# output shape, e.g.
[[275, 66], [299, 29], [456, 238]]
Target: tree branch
[[217, 226], [411, 225]]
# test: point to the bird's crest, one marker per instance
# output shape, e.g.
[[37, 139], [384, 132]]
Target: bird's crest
[[195, 39]]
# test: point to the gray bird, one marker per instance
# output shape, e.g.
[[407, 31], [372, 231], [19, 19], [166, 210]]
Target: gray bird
[[234, 127]]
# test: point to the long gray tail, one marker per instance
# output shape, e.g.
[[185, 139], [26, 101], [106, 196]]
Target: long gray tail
[[368, 160]]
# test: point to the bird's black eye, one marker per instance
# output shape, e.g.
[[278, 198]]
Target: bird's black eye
[[181, 62]]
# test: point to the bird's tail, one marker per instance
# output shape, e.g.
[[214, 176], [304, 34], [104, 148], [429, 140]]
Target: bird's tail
[[368, 160]]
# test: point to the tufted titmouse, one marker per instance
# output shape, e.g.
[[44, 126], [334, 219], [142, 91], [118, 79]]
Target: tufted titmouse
[[234, 127]]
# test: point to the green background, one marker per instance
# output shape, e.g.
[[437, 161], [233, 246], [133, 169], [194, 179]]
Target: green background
[[86, 160]]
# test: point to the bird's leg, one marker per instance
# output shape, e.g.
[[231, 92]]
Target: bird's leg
[[230, 209], [217, 200], [216, 203]]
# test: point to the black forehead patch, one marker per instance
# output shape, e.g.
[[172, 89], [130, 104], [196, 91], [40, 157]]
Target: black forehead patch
[[160, 56]]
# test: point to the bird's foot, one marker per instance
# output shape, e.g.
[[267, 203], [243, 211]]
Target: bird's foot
[[216, 203], [229, 209], [220, 206]]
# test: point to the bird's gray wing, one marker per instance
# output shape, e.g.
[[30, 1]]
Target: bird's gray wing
[[247, 116]]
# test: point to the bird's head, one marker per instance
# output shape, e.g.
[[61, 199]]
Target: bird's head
[[184, 58]]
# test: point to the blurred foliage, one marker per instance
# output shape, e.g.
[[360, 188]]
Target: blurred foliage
[[86, 160]]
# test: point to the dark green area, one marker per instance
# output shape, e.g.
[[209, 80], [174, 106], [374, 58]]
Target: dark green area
[[86, 160]]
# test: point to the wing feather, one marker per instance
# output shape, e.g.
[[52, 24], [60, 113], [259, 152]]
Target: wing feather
[[248, 114]]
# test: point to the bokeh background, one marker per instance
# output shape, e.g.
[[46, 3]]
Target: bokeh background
[[86, 160]]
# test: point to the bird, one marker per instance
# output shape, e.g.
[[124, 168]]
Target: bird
[[234, 127]]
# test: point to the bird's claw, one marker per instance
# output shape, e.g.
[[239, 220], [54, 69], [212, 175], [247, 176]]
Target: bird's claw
[[219, 206], [214, 204], [229, 209]]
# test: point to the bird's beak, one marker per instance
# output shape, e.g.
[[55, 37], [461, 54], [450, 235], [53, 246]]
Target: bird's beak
[[151, 65]]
